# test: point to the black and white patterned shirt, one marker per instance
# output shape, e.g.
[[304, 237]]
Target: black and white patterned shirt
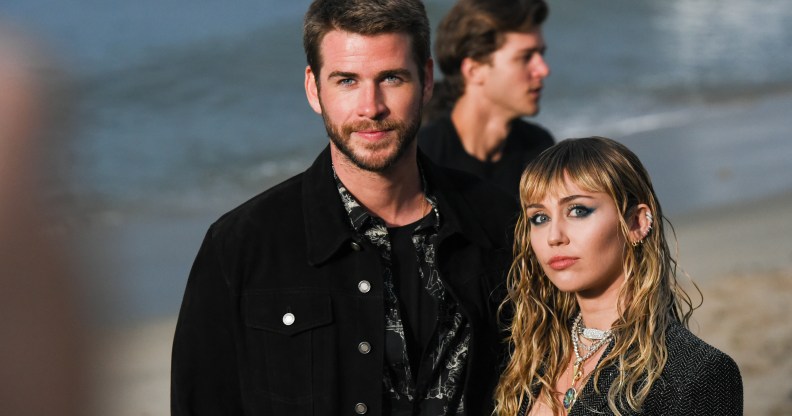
[[438, 388]]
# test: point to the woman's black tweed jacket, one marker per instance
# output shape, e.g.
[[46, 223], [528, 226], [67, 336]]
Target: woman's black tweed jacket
[[697, 380]]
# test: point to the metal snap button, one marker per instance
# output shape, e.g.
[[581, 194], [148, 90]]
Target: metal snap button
[[355, 246], [364, 286], [288, 319], [364, 347], [361, 408]]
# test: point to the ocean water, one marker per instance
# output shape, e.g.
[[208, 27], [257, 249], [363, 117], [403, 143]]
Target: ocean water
[[188, 107], [181, 99]]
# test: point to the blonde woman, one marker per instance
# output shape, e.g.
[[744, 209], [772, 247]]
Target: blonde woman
[[599, 320]]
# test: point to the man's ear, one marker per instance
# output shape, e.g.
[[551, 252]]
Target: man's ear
[[312, 90], [640, 222], [472, 71], [428, 84]]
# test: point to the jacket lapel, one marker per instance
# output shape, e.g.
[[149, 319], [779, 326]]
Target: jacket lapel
[[327, 226]]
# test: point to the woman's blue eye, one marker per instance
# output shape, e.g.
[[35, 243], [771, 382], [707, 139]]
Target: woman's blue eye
[[580, 211], [539, 219]]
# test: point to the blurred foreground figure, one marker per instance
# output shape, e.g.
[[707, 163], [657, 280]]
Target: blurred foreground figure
[[40, 339]]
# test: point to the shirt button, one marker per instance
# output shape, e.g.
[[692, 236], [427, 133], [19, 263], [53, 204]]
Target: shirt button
[[288, 319], [364, 286], [364, 347], [355, 246], [361, 408]]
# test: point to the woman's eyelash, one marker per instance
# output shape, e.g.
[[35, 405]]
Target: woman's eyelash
[[580, 210], [538, 219]]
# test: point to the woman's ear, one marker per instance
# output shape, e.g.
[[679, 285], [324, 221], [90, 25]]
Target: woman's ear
[[640, 223]]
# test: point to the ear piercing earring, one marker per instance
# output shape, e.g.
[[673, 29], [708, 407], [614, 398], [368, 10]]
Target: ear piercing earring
[[650, 218]]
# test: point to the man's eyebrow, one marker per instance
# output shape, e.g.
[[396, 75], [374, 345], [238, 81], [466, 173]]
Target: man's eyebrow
[[400, 72], [341, 74], [540, 49]]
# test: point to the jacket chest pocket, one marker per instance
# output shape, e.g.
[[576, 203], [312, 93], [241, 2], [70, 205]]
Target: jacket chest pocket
[[289, 343]]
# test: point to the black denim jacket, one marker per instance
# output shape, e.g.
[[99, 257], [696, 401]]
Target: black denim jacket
[[283, 311]]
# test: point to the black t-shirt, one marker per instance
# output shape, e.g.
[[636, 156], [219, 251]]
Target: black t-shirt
[[417, 307], [440, 141]]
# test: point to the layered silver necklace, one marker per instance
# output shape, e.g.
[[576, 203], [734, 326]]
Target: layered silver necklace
[[599, 337]]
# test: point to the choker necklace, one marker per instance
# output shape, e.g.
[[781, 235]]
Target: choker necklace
[[593, 333], [577, 368]]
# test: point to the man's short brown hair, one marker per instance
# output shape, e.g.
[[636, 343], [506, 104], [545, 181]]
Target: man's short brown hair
[[475, 29], [367, 17]]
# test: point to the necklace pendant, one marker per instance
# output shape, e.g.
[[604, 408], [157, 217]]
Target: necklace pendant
[[569, 398], [576, 373]]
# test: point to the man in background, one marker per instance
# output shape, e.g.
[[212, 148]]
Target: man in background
[[491, 54], [369, 284]]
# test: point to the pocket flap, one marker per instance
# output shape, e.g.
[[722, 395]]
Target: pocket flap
[[287, 313]]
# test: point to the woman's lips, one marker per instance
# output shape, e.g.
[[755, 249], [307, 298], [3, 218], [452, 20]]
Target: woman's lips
[[562, 262]]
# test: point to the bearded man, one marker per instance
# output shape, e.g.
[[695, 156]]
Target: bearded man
[[369, 284]]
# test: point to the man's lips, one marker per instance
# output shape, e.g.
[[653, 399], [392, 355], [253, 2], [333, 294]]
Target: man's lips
[[372, 135], [561, 262]]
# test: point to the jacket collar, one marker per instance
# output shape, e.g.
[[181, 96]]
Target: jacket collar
[[327, 227]]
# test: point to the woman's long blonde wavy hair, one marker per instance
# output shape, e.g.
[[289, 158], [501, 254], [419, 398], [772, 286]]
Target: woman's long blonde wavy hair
[[541, 315]]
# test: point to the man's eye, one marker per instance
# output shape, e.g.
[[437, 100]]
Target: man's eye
[[392, 79], [346, 81]]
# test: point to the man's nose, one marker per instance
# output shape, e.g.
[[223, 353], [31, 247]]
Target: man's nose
[[539, 67], [371, 103]]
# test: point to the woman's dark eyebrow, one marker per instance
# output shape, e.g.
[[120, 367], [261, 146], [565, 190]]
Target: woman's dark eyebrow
[[563, 200], [566, 199]]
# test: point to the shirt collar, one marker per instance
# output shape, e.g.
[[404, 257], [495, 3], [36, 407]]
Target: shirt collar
[[361, 219], [327, 223]]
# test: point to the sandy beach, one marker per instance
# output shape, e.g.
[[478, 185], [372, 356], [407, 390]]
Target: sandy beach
[[740, 256]]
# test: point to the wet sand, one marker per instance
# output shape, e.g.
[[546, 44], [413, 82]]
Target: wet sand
[[741, 257]]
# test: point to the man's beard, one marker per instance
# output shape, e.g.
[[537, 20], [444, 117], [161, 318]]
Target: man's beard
[[405, 132]]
